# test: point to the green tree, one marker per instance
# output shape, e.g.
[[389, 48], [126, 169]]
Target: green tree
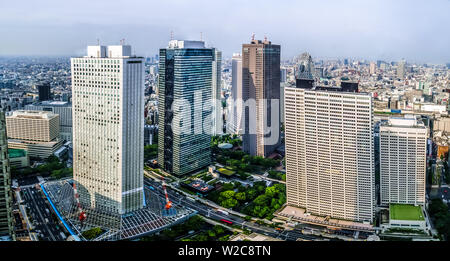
[[240, 196], [227, 194], [229, 203]]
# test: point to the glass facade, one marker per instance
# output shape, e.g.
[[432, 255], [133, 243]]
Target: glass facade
[[184, 137]]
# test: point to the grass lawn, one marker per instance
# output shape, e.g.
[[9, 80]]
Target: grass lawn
[[405, 212], [226, 171]]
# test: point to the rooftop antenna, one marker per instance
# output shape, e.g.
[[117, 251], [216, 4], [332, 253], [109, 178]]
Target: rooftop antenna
[[253, 36], [171, 35], [201, 36], [98, 41]]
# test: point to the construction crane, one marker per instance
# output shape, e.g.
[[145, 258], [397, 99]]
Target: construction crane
[[81, 214], [168, 202]]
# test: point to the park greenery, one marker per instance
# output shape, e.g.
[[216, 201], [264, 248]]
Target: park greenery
[[216, 233], [256, 201], [242, 162], [202, 231], [226, 138], [439, 212], [150, 152], [51, 167], [92, 233], [277, 175]]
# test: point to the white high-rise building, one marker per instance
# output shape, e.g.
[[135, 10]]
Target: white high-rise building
[[329, 153], [401, 69], [372, 68], [216, 115], [236, 107], [403, 148], [108, 124]]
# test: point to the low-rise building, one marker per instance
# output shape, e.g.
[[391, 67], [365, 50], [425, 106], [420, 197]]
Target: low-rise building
[[18, 158]]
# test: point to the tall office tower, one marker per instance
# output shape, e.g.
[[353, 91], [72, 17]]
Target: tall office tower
[[320, 72], [216, 115], [305, 67], [6, 219], [329, 152], [403, 148], [63, 109], [108, 128], [44, 92], [282, 85], [184, 130], [261, 83], [235, 107], [401, 69], [373, 68], [283, 75]]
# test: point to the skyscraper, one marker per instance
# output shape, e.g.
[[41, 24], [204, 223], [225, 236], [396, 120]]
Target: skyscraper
[[44, 92], [401, 69], [235, 108], [403, 148], [6, 219], [216, 115], [373, 68], [283, 75], [329, 152], [108, 124], [261, 84], [184, 130], [305, 67]]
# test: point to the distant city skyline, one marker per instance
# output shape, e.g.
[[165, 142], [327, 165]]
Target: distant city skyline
[[372, 30]]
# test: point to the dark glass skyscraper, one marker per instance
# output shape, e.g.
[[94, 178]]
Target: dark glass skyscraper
[[44, 92], [185, 82]]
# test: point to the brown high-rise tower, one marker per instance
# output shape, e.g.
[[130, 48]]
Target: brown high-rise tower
[[261, 82]]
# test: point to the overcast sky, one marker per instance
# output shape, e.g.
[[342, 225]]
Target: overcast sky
[[418, 31]]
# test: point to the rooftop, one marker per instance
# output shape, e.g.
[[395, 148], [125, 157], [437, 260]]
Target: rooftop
[[186, 44], [29, 114], [405, 212], [406, 122], [54, 103]]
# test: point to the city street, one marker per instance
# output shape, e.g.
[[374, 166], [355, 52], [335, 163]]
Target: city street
[[211, 213], [43, 221]]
